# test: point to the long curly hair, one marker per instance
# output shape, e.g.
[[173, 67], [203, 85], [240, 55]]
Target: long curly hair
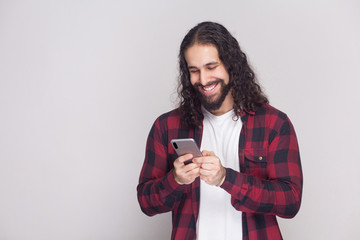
[[245, 90]]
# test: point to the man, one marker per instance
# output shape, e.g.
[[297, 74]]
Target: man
[[250, 171]]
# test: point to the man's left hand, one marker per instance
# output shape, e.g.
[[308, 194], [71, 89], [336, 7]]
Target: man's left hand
[[211, 171]]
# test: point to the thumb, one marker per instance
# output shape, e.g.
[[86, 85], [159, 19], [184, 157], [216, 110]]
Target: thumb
[[207, 153]]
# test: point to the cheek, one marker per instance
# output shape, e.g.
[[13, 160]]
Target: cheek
[[224, 76], [227, 79], [193, 79], [218, 72]]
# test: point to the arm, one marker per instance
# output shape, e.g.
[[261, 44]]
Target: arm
[[162, 183], [157, 190], [280, 193]]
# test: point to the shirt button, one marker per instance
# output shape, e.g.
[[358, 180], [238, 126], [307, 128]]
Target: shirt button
[[260, 158]]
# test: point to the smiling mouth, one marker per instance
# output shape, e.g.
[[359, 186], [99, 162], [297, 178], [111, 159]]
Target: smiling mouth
[[209, 88]]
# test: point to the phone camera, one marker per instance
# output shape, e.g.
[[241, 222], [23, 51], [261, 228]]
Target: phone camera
[[175, 145]]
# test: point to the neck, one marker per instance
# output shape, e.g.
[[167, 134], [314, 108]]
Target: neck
[[226, 106]]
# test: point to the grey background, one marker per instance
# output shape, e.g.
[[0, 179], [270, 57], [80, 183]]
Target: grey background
[[81, 83]]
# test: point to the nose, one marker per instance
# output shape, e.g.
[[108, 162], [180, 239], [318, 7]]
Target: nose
[[203, 77]]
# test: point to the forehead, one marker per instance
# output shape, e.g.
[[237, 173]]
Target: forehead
[[199, 55]]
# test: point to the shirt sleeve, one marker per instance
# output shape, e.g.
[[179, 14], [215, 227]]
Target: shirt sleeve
[[280, 193], [157, 190]]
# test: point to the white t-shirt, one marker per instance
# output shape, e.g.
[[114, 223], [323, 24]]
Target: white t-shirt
[[218, 219]]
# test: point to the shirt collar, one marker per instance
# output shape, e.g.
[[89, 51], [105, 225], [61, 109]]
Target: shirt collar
[[244, 113]]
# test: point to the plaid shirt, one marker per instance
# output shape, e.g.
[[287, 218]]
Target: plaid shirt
[[269, 183]]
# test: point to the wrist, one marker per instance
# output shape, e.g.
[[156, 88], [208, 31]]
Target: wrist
[[222, 178], [176, 179]]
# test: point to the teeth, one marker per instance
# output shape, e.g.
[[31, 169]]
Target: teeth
[[209, 88]]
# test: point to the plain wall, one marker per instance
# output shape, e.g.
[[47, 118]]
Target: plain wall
[[81, 83]]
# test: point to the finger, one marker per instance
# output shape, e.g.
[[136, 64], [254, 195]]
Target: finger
[[207, 153], [184, 158], [189, 167], [207, 166], [203, 160], [195, 172], [189, 176], [198, 160], [204, 172]]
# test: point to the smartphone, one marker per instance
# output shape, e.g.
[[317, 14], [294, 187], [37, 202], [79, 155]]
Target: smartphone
[[185, 146]]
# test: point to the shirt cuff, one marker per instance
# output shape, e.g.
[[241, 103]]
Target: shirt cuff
[[235, 182], [171, 185]]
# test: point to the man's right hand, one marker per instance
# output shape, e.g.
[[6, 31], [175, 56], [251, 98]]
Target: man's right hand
[[185, 174]]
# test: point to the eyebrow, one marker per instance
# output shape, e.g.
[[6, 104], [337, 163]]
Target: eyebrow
[[206, 65]]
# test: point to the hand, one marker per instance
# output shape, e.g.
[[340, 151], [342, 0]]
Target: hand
[[211, 171], [185, 174]]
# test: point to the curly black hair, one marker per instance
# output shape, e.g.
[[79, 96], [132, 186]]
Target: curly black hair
[[245, 90]]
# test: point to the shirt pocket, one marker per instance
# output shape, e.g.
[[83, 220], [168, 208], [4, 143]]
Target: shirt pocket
[[255, 162]]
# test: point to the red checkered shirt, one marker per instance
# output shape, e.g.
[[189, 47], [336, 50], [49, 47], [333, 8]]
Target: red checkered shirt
[[269, 183]]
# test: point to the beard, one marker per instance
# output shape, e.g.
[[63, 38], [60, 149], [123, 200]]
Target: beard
[[210, 102]]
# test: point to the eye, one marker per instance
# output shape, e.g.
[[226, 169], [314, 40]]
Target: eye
[[194, 71], [212, 67]]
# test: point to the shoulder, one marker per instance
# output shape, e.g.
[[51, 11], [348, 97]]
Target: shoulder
[[271, 112], [272, 117], [173, 114], [168, 120]]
